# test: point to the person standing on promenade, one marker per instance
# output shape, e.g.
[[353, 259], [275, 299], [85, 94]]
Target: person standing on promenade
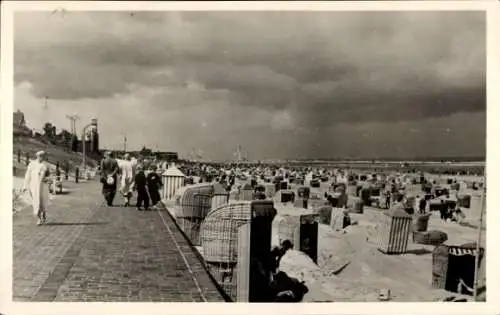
[[58, 171], [66, 170], [127, 171], [109, 170], [422, 206], [36, 183]]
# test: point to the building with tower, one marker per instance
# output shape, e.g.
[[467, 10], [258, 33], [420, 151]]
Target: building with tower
[[18, 119], [19, 124]]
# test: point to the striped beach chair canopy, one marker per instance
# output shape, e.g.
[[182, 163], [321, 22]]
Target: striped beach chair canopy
[[461, 251]]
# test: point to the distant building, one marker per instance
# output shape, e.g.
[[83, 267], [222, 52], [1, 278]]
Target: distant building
[[19, 120], [169, 156], [19, 125]]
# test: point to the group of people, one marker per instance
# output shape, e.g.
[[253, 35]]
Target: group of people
[[448, 208], [133, 177], [421, 203]]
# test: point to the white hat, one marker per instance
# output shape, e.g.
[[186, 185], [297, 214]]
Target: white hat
[[40, 153]]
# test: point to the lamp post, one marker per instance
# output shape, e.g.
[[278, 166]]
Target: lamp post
[[93, 123]]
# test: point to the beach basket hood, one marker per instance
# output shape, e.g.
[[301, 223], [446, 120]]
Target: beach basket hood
[[397, 212], [173, 171]]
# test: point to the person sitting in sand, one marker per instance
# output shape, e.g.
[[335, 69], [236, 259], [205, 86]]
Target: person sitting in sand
[[278, 252], [287, 289]]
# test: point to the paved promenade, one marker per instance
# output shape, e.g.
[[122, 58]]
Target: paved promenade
[[91, 252]]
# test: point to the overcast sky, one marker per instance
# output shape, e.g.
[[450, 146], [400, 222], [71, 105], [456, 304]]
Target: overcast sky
[[281, 84]]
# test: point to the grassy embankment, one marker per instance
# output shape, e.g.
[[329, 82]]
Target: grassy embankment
[[56, 154]]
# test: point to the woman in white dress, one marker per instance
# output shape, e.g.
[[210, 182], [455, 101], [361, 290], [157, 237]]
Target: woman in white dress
[[127, 172], [36, 183]]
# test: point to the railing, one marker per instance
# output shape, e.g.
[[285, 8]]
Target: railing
[[19, 170]]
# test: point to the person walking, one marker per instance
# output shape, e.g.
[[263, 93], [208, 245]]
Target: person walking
[[388, 199], [127, 171], [36, 183], [109, 173], [140, 184], [154, 184]]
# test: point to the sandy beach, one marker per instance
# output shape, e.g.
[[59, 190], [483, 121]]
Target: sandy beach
[[407, 276]]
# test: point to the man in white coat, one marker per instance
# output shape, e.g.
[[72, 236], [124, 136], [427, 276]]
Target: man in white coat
[[36, 183], [127, 171]]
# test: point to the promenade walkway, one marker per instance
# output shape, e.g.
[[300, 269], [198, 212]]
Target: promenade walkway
[[91, 252]]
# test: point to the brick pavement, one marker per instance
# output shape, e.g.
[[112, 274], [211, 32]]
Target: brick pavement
[[90, 252]]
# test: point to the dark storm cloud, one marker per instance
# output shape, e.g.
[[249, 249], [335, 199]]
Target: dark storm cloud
[[265, 58], [315, 69], [393, 105]]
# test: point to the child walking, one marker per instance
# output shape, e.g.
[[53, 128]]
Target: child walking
[[141, 187]]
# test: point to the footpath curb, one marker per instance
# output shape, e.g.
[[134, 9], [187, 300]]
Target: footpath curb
[[195, 251]]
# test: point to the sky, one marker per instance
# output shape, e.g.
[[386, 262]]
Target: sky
[[280, 84]]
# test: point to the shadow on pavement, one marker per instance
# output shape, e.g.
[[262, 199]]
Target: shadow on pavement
[[82, 223], [64, 192], [419, 251], [471, 225]]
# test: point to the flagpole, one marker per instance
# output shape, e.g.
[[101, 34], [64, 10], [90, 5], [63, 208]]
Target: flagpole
[[478, 244]]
